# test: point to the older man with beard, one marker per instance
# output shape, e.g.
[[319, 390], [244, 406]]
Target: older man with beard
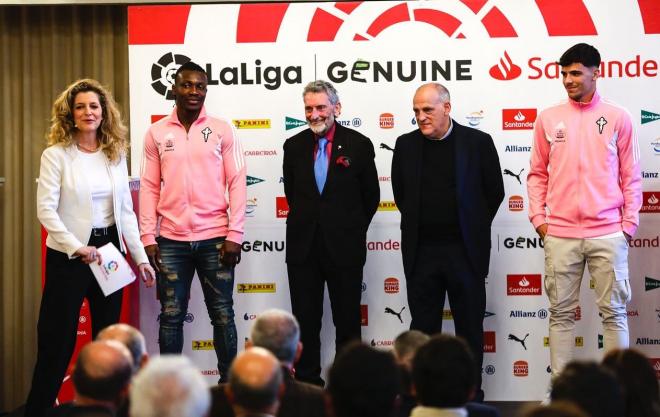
[[331, 185]]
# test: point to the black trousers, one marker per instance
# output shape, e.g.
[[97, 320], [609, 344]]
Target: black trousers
[[306, 285], [68, 282], [445, 268]]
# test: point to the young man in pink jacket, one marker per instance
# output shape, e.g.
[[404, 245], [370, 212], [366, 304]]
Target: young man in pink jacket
[[584, 189], [191, 161]]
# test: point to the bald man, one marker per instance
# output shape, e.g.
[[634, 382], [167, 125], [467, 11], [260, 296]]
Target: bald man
[[255, 383], [448, 186], [101, 377], [278, 331], [130, 337]]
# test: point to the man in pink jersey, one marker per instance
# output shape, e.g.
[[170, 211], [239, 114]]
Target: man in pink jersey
[[584, 189], [191, 161]]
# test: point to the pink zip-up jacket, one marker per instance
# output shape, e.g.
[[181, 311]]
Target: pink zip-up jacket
[[184, 179], [585, 170]]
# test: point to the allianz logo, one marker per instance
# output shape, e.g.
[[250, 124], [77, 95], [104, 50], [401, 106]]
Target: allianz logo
[[518, 314]]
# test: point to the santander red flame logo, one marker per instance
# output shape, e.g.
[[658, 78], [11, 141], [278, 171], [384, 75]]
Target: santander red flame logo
[[505, 70]]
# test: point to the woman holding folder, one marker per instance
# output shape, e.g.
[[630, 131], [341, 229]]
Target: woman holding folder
[[83, 202]]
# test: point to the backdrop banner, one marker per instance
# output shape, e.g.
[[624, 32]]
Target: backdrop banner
[[497, 58]]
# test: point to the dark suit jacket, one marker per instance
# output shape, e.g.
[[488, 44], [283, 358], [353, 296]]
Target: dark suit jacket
[[299, 400], [479, 190], [349, 200], [473, 409], [72, 410]]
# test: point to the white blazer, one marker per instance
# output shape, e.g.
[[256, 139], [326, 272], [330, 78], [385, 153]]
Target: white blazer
[[64, 203]]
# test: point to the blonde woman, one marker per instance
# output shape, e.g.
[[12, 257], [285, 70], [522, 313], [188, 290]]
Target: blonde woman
[[83, 202]]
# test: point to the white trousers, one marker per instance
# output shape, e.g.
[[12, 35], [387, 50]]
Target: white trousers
[[607, 260]]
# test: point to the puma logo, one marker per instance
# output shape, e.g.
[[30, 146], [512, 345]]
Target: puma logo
[[384, 146], [394, 313], [521, 341], [507, 172]]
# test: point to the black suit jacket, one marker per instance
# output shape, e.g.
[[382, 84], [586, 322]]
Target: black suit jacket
[[299, 400], [348, 203], [72, 410], [479, 191]]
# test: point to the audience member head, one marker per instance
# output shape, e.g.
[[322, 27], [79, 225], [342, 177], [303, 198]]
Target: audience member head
[[638, 382], [406, 345], [255, 382], [591, 387], [130, 337], [363, 382], [444, 372], [169, 386], [102, 373], [556, 409], [278, 332]]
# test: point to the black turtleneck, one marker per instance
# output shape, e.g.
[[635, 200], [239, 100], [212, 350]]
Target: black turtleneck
[[438, 208]]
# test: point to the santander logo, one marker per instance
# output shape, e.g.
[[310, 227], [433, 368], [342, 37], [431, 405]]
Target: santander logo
[[523, 284], [505, 70]]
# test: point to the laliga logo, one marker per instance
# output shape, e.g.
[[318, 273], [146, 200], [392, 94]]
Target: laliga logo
[[506, 70], [111, 266], [162, 73]]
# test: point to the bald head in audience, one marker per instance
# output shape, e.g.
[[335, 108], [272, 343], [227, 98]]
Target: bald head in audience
[[130, 337], [255, 382], [102, 374]]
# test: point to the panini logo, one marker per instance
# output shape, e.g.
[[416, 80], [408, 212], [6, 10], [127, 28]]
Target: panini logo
[[281, 207], [291, 123], [253, 180], [364, 315], [252, 123], [648, 117], [529, 284], [391, 285], [202, 345], [447, 315], [516, 203], [520, 368], [386, 121], [489, 342], [650, 202], [651, 284], [518, 119], [387, 206], [265, 287]]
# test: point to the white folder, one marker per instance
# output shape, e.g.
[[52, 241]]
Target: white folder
[[114, 273]]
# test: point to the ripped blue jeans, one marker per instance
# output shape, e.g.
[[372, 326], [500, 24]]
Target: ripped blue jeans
[[180, 260]]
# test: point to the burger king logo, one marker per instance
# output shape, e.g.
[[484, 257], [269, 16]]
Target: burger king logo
[[520, 368], [516, 203], [391, 285], [386, 121]]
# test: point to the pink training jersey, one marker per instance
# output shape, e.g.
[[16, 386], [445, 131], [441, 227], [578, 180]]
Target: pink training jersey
[[186, 177], [585, 170]]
